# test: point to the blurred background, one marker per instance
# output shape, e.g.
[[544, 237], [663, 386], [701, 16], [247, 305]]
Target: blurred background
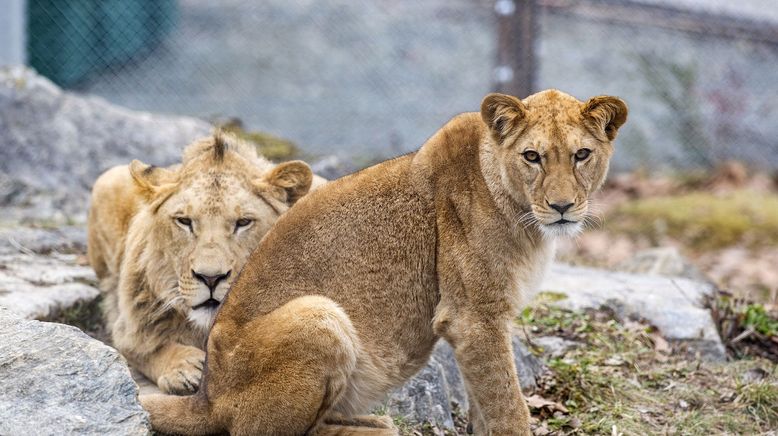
[[344, 84], [692, 195]]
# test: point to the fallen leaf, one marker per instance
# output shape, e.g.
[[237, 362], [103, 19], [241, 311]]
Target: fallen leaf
[[660, 344], [542, 430], [82, 260], [538, 402], [614, 361]]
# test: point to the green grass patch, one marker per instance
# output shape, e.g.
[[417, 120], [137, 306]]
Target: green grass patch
[[703, 221], [268, 145], [617, 380]]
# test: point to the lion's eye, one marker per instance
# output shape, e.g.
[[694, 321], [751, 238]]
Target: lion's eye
[[532, 156], [582, 154], [185, 222], [243, 222]]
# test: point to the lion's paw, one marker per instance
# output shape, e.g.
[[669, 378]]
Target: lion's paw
[[183, 376]]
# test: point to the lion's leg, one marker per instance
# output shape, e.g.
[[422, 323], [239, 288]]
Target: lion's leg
[[483, 352], [284, 372], [476, 423], [341, 425], [372, 421], [175, 368], [342, 430]]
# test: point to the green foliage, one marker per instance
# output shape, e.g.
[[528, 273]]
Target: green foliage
[[703, 221], [270, 146], [757, 318]]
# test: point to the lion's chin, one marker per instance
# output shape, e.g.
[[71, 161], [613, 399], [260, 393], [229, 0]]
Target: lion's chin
[[557, 230], [203, 316]]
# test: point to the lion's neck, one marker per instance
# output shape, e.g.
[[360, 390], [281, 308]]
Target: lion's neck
[[512, 205]]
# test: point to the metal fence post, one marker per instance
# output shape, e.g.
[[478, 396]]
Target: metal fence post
[[13, 31], [517, 27]]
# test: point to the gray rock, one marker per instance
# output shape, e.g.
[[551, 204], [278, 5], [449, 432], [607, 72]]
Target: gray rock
[[662, 261], [527, 365], [332, 167], [554, 346], [674, 305], [56, 143], [65, 239], [425, 398], [430, 394], [35, 286], [58, 381]]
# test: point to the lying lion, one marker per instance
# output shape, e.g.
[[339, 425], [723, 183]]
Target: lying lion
[[346, 296], [167, 242]]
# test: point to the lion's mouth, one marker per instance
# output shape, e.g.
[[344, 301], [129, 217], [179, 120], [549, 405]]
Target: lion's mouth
[[563, 221], [210, 303]]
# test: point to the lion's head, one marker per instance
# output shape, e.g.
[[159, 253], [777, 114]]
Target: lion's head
[[203, 218], [553, 152]]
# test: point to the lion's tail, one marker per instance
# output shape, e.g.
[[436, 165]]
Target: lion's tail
[[171, 414]]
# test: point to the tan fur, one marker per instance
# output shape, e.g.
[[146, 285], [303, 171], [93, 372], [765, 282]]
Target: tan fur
[[146, 259], [346, 297]]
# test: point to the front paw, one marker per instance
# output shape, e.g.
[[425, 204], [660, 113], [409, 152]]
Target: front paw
[[182, 376]]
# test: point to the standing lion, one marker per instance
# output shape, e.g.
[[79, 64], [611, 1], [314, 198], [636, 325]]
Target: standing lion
[[166, 243]]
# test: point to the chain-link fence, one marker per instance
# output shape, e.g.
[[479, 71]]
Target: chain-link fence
[[375, 78]]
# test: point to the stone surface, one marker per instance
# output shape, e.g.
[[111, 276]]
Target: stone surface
[[554, 346], [662, 261], [43, 240], [36, 287], [674, 305], [36, 278], [56, 143], [58, 381], [426, 397]]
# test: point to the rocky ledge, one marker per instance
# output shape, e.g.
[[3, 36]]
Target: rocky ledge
[[74, 138], [58, 380]]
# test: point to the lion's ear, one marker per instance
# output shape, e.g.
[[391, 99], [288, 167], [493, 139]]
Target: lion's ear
[[150, 179], [294, 178], [605, 114], [503, 114]]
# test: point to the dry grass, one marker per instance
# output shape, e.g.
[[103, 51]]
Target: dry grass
[[268, 145], [703, 221], [622, 380], [619, 379]]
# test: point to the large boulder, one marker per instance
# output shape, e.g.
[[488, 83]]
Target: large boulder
[[662, 261], [674, 305], [56, 143], [39, 277], [55, 380]]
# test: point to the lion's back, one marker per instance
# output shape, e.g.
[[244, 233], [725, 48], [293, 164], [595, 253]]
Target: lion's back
[[114, 202]]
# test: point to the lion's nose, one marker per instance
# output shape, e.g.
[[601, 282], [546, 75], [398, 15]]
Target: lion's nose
[[561, 207], [211, 281]]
